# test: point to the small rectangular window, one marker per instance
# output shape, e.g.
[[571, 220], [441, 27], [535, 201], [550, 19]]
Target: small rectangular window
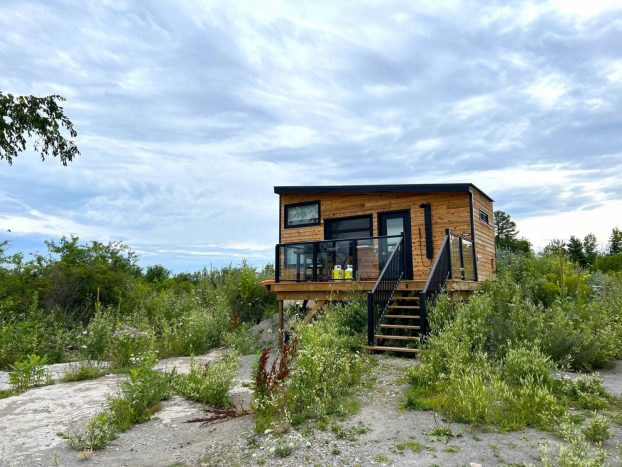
[[483, 216], [302, 214]]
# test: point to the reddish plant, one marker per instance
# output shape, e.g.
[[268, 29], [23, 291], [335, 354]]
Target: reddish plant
[[270, 376]]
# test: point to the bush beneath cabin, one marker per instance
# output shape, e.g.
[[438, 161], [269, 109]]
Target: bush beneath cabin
[[318, 374]]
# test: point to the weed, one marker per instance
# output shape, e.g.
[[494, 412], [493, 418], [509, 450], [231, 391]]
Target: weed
[[28, 373], [408, 445], [269, 390], [526, 365], [82, 371], [415, 399], [442, 434], [452, 450], [577, 451], [283, 450], [209, 383], [253, 442], [128, 344], [138, 398], [382, 459], [587, 392], [325, 373], [95, 340], [597, 429], [350, 433], [335, 451], [243, 340]]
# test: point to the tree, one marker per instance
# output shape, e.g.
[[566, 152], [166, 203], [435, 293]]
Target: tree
[[589, 248], [574, 247], [39, 119], [73, 272], [555, 247], [505, 227], [157, 273], [506, 232], [615, 242]]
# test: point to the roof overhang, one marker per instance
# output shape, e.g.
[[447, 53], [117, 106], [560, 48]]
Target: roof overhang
[[417, 188]]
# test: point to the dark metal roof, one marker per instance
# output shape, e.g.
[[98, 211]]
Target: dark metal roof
[[417, 188]]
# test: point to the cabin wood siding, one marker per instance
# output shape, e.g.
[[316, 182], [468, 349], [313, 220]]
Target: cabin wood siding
[[484, 237], [449, 210]]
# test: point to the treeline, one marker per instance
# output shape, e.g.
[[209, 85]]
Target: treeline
[[583, 252], [53, 303]]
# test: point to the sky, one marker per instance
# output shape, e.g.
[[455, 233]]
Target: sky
[[188, 112]]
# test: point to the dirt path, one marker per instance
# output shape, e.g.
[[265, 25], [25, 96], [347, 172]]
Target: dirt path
[[29, 423]]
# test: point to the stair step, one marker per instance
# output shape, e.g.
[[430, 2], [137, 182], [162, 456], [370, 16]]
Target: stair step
[[397, 338], [410, 299], [399, 326], [391, 349], [404, 307], [402, 316]]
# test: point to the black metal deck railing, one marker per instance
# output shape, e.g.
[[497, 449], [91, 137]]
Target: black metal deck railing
[[440, 273], [334, 260], [380, 296]]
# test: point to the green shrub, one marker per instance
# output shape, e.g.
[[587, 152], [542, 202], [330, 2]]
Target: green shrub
[[96, 339], [209, 383], [194, 328], [608, 263], [586, 392], [28, 373], [318, 374], [527, 365], [324, 373], [138, 399], [349, 318], [243, 340], [23, 333], [99, 431], [597, 429], [127, 346], [82, 371], [577, 451]]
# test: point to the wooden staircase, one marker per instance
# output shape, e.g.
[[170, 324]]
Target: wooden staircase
[[399, 330]]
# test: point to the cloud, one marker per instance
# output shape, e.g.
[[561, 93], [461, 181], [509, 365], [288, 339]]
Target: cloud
[[189, 112]]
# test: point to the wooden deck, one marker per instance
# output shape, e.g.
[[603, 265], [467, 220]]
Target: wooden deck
[[341, 290]]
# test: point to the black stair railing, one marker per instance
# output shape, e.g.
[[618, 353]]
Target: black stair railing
[[380, 296], [440, 273]]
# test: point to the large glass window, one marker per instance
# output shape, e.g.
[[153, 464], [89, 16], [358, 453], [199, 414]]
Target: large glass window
[[350, 227], [302, 214]]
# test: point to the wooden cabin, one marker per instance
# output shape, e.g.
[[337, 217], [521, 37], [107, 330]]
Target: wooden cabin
[[400, 244]]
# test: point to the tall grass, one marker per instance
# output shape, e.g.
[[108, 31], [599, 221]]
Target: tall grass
[[490, 361]]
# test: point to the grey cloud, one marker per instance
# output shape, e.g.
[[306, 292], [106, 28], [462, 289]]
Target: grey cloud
[[189, 112]]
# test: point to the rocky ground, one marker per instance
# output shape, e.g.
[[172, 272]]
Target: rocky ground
[[379, 434]]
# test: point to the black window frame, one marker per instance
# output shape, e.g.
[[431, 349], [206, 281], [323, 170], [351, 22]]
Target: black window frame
[[296, 205], [360, 216], [483, 217]]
